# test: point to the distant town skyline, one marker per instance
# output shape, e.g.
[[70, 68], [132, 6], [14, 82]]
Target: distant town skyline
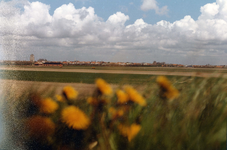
[[46, 63], [42, 61], [179, 32]]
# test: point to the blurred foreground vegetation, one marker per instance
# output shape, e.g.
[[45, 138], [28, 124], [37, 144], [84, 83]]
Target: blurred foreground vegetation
[[184, 113]]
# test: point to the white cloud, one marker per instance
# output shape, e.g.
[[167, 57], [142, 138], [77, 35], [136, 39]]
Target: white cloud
[[68, 21], [137, 26], [36, 13], [118, 19], [209, 11], [79, 33], [152, 5], [149, 4], [65, 11], [186, 24], [213, 21], [222, 8], [165, 24]]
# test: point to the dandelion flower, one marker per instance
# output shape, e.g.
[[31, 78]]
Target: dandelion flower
[[92, 101], [124, 130], [122, 97], [129, 131], [134, 130], [103, 86], [95, 102], [48, 106], [169, 91], [120, 112], [115, 113], [69, 92], [40, 127], [112, 110], [164, 82], [59, 98], [135, 96], [172, 93], [75, 118]]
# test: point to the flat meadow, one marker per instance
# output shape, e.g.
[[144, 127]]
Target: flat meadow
[[119, 108], [115, 75]]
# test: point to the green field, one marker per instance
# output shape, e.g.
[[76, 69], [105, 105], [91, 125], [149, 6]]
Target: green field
[[79, 77], [68, 77], [74, 77]]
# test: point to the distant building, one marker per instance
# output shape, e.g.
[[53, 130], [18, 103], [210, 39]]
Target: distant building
[[38, 63], [32, 58], [53, 63]]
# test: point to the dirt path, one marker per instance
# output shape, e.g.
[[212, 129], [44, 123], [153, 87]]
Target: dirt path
[[198, 74], [18, 87]]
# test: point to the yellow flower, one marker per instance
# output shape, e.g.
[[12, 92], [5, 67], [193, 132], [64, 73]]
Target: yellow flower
[[169, 91], [135, 96], [59, 98], [112, 110], [75, 118], [95, 102], [122, 97], [172, 93], [129, 131], [92, 101], [103, 86], [163, 81], [69, 92], [48, 106], [40, 127], [115, 113]]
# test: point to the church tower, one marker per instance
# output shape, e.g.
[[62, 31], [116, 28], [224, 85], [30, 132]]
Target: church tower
[[32, 58]]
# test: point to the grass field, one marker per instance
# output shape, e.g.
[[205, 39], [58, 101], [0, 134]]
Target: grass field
[[81, 77], [110, 74], [193, 120], [74, 77]]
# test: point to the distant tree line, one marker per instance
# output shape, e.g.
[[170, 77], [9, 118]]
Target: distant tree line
[[16, 63]]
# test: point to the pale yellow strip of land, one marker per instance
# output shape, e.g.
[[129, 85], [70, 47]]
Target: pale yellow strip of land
[[197, 74]]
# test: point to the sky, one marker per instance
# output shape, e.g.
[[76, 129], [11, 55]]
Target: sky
[[177, 31]]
